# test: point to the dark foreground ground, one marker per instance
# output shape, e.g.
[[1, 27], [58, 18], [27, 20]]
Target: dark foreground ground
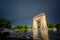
[[52, 36]]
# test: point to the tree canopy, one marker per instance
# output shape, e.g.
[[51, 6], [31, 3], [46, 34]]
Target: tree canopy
[[5, 23], [58, 25], [22, 28], [50, 25]]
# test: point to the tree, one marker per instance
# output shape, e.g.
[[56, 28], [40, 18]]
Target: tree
[[50, 25], [5, 23], [26, 28], [58, 27], [38, 27], [16, 28]]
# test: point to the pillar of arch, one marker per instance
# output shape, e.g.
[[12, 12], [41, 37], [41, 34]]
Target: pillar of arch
[[43, 26]]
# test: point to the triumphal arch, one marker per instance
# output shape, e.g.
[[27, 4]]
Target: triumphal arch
[[43, 26]]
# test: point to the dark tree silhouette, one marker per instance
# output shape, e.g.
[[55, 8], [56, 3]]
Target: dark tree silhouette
[[50, 25], [58, 27], [5, 23]]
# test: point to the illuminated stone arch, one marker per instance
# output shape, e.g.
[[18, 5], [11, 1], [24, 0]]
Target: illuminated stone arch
[[43, 26]]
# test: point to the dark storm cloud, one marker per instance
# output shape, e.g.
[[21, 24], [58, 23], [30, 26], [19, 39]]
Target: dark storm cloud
[[21, 12]]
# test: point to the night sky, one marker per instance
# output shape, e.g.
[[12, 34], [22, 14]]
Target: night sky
[[21, 12]]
